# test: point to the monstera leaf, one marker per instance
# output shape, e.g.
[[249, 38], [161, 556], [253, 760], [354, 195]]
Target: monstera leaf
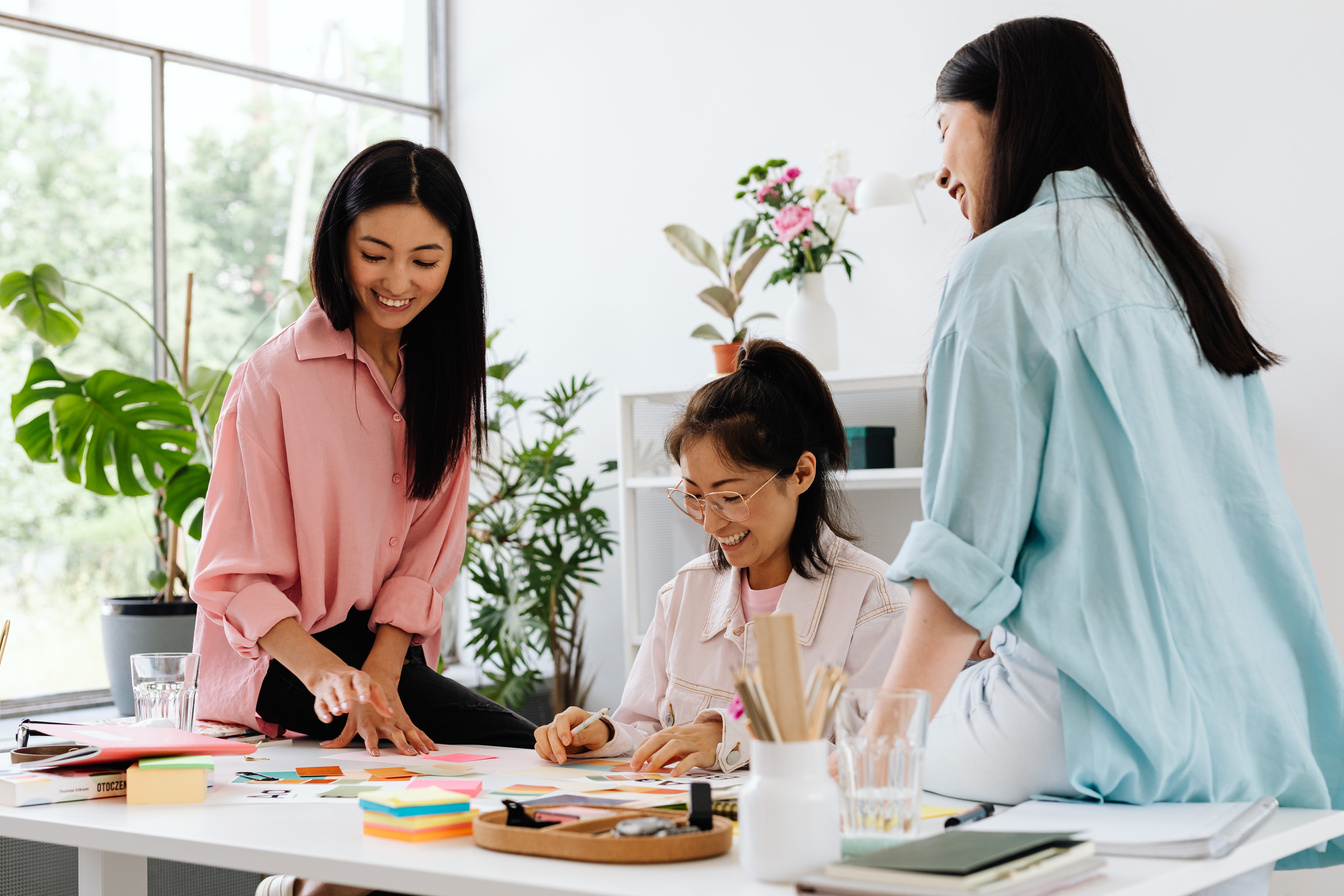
[[142, 428], [38, 301], [184, 492]]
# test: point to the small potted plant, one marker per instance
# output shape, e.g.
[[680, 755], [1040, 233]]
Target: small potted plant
[[118, 434], [742, 252]]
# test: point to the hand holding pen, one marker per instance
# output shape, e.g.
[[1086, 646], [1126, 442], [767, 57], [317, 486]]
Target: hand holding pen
[[572, 731]]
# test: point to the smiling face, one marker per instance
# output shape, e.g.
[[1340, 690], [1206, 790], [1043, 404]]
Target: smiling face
[[760, 543], [397, 257], [965, 133]]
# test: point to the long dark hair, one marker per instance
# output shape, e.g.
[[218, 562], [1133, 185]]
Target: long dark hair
[[763, 416], [1053, 92], [445, 344]]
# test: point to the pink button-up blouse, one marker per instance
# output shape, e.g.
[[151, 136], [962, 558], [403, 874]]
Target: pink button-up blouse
[[307, 514]]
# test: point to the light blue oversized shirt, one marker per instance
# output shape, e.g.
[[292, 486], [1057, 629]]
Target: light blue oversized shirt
[[1094, 485]]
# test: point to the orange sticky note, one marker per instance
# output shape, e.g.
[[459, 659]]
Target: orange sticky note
[[391, 773], [320, 771]]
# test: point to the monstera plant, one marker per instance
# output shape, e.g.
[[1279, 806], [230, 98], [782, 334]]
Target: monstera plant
[[113, 432]]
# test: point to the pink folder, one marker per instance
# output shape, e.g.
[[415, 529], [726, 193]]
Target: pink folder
[[122, 743]]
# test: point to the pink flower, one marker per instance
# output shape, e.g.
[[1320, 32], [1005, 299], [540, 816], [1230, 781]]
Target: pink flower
[[845, 188], [736, 709], [792, 174], [768, 190], [791, 220]]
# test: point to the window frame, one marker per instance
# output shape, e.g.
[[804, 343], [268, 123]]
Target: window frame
[[436, 111]]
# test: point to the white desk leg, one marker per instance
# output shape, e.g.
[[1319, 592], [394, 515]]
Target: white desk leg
[[112, 874]]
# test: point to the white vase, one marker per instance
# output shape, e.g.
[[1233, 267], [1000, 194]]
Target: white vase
[[809, 324], [788, 811]]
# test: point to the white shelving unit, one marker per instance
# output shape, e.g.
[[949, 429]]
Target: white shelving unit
[[657, 540]]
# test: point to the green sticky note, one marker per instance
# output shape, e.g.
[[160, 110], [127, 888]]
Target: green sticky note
[[349, 791], [152, 762]]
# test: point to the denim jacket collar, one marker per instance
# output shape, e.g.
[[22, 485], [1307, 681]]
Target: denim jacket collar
[[804, 598]]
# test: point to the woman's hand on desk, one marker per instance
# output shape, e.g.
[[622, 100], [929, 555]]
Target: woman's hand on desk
[[695, 745], [557, 740], [373, 725]]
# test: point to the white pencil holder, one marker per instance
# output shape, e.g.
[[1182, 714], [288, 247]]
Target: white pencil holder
[[788, 812]]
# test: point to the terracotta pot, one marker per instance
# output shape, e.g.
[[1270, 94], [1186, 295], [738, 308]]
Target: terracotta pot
[[725, 356]]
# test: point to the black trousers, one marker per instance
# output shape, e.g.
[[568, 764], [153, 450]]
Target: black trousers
[[446, 711]]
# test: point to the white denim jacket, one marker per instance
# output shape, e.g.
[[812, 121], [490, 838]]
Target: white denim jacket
[[850, 616]]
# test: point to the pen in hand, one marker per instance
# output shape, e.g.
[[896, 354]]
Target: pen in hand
[[975, 813], [592, 717]]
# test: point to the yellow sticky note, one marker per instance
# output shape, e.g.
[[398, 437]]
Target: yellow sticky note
[[937, 811]]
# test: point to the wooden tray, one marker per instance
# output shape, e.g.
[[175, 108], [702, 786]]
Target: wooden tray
[[590, 840]]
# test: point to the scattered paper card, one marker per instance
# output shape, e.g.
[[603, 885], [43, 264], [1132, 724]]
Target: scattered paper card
[[467, 788], [460, 757]]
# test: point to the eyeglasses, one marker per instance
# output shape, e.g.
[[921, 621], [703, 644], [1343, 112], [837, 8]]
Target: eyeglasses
[[728, 505]]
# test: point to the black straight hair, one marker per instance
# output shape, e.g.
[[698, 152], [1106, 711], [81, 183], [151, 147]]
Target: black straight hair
[[763, 416], [1056, 102], [445, 343]]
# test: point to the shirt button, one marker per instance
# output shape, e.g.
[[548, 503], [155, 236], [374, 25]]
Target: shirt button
[[396, 418], [392, 541], [733, 755], [739, 630], [396, 477]]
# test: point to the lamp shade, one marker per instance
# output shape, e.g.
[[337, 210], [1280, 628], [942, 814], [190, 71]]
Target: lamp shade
[[882, 188]]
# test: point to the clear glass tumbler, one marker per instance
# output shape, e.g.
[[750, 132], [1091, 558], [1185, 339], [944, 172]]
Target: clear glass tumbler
[[880, 737], [165, 687]]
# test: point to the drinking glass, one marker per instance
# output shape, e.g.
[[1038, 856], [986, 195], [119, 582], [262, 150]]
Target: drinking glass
[[165, 687], [880, 737]]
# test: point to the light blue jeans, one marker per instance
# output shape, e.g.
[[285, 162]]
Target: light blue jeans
[[998, 737]]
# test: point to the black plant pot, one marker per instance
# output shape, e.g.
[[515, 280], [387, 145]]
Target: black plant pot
[[141, 625]]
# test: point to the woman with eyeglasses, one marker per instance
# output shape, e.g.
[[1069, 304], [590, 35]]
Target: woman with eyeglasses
[[757, 449]]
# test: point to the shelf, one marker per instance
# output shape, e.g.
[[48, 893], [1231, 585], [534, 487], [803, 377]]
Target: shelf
[[897, 477]]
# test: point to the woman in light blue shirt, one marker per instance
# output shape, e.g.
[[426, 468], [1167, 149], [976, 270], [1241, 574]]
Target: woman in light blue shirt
[[1101, 479]]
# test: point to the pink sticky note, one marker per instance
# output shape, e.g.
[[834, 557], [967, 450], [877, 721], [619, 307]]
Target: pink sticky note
[[466, 788], [460, 757]]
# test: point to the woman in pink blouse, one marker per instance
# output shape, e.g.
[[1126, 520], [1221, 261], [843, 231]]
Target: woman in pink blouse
[[336, 514], [758, 450]]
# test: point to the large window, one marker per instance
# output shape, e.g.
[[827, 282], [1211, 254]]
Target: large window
[[142, 140]]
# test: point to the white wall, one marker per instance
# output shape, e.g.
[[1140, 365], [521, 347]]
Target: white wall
[[582, 128]]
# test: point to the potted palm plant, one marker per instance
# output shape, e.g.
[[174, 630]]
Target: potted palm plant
[[742, 252], [535, 539], [118, 434]]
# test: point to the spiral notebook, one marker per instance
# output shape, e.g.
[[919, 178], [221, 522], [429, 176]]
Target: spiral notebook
[[1159, 830]]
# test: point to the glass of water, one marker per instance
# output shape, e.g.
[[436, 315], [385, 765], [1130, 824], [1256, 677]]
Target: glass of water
[[880, 737], [165, 687]]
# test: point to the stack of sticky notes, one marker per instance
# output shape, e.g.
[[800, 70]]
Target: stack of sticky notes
[[416, 815], [169, 779]]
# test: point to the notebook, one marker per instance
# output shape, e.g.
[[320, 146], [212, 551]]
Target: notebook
[[1159, 830], [103, 744], [965, 861], [1051, 882]]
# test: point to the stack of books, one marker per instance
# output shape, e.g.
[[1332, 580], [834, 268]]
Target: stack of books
[[986, 864], [416, 815]]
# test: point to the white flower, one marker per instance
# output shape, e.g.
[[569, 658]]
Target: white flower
[[829, 209], [834, 162]]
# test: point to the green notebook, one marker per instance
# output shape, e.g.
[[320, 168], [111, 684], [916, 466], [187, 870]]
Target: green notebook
[[966, 859]]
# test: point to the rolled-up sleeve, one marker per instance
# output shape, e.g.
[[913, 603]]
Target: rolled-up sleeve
[[412, 597], [983, 448], [249, 552]]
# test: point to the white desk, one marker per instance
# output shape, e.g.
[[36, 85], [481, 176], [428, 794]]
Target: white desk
[[327, 842]]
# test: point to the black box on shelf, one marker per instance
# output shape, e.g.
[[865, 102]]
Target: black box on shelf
[[871, 447]]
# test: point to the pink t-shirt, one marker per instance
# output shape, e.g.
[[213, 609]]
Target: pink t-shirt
[[307, 514], [759, 603]]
